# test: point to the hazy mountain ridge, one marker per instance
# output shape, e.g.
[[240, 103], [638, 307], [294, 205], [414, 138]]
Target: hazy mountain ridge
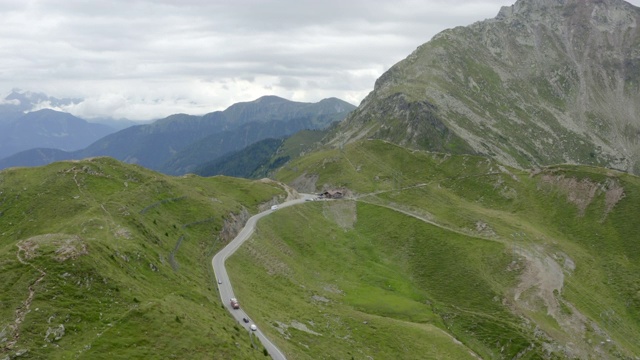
[[19, 102], [180, 142], [268, 108], [238, 138], [35, 157], [544, 82], [50, 129], [26, 101], [260, 159]]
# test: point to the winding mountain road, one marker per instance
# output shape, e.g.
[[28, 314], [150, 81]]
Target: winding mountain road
[[224, 284]]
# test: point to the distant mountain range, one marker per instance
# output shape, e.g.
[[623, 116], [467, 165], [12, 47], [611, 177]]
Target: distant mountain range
[[179, 143], [19, 101], [47, 129], [27, 121]]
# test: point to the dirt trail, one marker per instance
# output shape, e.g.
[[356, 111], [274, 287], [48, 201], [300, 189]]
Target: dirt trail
[[292, 194], [424, 218], [23, 310], [540, 290]]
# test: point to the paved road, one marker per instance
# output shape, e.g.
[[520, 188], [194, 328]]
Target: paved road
[[224, 285]]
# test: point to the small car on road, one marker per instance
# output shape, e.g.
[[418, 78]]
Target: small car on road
[[245, 320], [253, 327]]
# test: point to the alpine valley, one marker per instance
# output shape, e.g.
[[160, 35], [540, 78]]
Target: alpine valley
[[480, 203]]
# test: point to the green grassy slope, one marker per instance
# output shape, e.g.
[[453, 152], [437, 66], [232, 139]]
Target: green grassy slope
[[103, 260], [436, 247]]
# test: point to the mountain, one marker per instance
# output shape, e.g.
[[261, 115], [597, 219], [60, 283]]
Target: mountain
[[269, 108], [216, 145], [49, 129], [35, 157], [175, 145], [544, 82], [242, 163], [433, 255], [180, 142], [448, 254], [104, 260], [260, 159], [248, 123], [118, 124], [19, 102], [430, 255], [152, 144]]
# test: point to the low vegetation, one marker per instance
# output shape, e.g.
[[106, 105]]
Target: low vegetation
[[429, 256], [103, 260], [439, 256]]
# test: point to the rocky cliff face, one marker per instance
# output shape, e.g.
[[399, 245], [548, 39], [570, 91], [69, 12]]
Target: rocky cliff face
[[545, 81]]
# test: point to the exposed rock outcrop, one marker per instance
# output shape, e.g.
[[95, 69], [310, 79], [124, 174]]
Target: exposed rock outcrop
[[233, 224], [544, 82]]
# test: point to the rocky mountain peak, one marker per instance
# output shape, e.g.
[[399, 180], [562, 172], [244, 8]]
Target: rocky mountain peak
[[544, 82], [606, 15]]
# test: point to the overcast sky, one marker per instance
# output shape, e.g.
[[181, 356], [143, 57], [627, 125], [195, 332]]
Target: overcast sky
[[152, 58]]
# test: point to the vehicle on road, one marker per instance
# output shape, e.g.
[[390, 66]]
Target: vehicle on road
[[245, 320], [234, 303], [274, 207], [219, 281], [253, 327]]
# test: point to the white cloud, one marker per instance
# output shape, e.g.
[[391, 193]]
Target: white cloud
[[144, 59], [9, 102]]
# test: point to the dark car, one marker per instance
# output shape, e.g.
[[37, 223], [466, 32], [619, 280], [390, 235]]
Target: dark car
[[245, 320]]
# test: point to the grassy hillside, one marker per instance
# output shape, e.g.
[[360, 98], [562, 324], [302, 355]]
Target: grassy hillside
[[439, 256], [102, 260], [431, 256]]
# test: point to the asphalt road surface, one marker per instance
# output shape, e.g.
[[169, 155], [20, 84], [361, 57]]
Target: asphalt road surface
[[224, 285]]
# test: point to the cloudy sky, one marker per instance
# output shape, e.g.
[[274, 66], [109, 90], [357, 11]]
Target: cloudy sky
[[145, 59]]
